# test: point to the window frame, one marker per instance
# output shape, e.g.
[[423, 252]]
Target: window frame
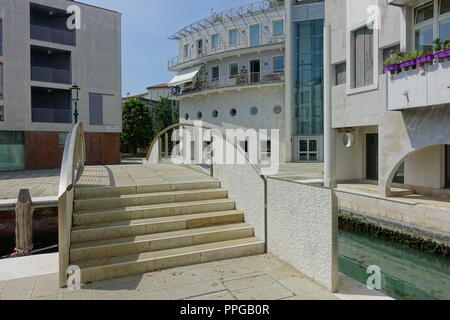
[[273, 28], [250, 35], [309, 152], [186, 50], [212, 72], [213, 36], [2, 113], [229, 37], [229, 69], [273, 64], [434, 22], [351, 58]]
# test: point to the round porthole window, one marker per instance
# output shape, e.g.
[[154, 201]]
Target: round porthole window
[[199, 115], [233, 112], [277, 109], [254, 111], [215, 114], [186, 116], [349, 140]]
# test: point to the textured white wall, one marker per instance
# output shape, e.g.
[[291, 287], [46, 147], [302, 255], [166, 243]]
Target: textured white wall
[[246, 188], [303, 229]]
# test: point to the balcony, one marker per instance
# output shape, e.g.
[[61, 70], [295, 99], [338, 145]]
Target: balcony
[[243, 80], [50, 25], [50, 65], [53, 35], [51, 75], [51, 105], [51, 115], [424, 86]]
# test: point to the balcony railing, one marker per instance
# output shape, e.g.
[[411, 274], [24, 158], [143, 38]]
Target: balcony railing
[[51, 75], [240, 80], [53, 35], [51, 115]]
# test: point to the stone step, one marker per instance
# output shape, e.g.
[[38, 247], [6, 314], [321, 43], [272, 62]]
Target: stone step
[[152, 211], [140, 227], [148, 199], [155, 242], [99, 192], [109, 268]]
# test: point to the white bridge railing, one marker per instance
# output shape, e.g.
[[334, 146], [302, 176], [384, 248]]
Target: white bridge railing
[[73, 161]]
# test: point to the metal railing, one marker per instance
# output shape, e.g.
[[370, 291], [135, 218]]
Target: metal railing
[[51, 75], [53, 35], [51, 115], [239, 80], [74, 158]]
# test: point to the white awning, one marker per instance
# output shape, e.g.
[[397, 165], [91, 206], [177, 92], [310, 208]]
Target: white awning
[[184, 76]]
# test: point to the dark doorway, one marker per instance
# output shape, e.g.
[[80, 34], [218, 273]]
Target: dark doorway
[[447, 166], [372, 156], [255, 71]]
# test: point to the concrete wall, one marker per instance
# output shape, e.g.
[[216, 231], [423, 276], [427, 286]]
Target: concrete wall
[[96, 64], [246, 187], [426, 168], [265, 99], [303, 229]]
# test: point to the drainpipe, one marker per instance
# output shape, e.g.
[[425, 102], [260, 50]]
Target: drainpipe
[[329, 137]]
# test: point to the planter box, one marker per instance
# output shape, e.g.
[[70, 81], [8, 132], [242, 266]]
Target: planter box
[[408, 63], [425, 59], [391, 68], [442, 54]]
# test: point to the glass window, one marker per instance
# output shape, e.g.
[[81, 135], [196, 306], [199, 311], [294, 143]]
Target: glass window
[[444, 30], [341, 73], [215, 41], [1, 38], [424, 13], [424, 38], [215, 71], [363, 61], [199, 115], [233, 37], [186, 50], [278, 64], [255, 35], [2, 113], [95, 109], [278, 28], [215, 114], [1, 80], [234, 70], [254, 111], [233, 112], [445, 6]]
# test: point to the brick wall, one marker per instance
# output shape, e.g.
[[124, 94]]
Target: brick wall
[[42, 149]]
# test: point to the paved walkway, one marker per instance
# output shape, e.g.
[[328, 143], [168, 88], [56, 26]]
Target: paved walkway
[[41, 183], [262, 277]]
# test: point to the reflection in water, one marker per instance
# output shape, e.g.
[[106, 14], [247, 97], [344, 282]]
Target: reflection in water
[[407, 274]]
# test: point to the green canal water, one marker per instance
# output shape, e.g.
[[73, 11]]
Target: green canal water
[[407, 274]]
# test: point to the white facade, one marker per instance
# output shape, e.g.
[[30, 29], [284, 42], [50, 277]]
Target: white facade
[[398, 120], [231, 71]]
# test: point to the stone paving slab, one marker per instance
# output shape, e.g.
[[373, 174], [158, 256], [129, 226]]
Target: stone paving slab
[[249, 278], [41, 183]]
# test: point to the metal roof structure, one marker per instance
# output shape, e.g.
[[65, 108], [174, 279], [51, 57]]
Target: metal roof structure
[[228, 15]]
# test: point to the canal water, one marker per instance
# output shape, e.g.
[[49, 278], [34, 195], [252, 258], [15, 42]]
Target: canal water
[[406, 274]]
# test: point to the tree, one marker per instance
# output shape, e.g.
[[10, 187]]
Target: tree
[[137, 125], [164, 115]]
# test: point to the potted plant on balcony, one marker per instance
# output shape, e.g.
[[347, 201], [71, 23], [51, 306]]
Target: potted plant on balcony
[[442, 49], [393, 62], [409, 60]]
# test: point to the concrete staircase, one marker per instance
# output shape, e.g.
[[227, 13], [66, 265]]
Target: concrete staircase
[[120, 231]]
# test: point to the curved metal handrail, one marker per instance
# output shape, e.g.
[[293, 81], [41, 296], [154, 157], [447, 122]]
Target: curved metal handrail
[[178, 125], [73, 160]]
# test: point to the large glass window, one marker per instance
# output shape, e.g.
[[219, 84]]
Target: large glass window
[[233, 37], [308, 78], [427, 18], [12, 151], [215, 73], [255, 35], [95, 109], [278, 28], [215, 43]]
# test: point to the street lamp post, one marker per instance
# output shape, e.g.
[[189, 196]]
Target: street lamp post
[[75, 98]]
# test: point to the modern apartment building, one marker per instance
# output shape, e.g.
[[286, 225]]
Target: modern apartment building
[[234, 71], [41, 60], [388, 126]]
